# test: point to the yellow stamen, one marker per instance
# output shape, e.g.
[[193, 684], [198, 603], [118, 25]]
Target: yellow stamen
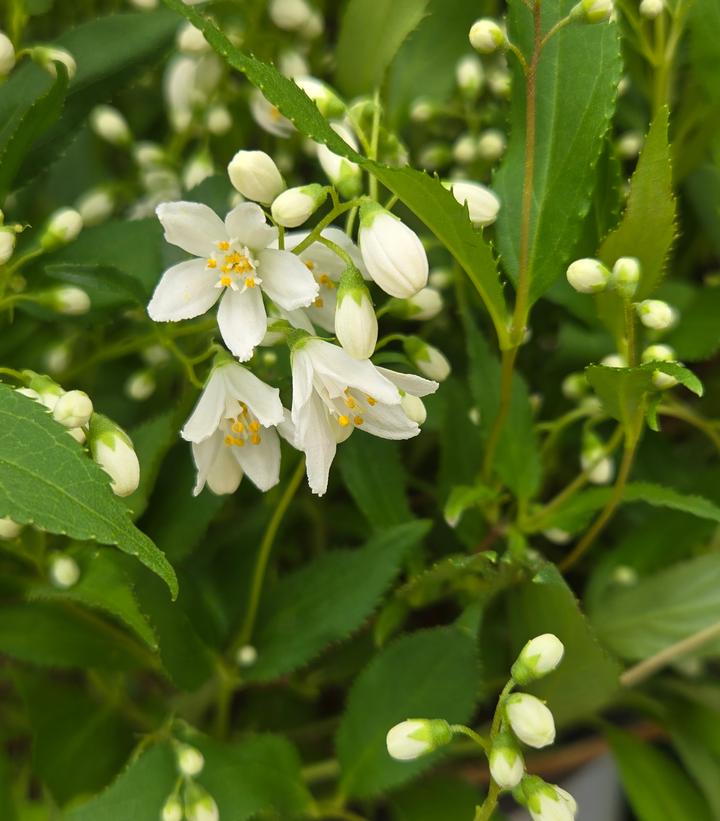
[[239, 442], [309, 264], [358, 420], [226, 281], [249, 282], [223, 245], [212, 263], [344, 420], [229, 440], [255, 439], [226, 269], [238, 426], [243, 264], [274, 113], [319, 302], [350, 401], [371, 401], [254, 426]]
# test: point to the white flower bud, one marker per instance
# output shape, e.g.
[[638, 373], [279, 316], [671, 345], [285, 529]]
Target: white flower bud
[[140, 385], [588, 276], [204, 809], [600, 467], [392, 252], [148, 154], [651, 9], [69, 300], [110, 125], [592, 11], [7, 244], [427, 359], [486, 36], [626, 275], [422, 110], [491, 145], [660, 353], [42, 389], [64, 572], [255, 176], [342, 173], [614, 360], [190, 760], [416, 737], [218, 120], [560, 807], [73, 409], [499, 82], [7, 55], [95, 206], [246, 656], [191, 40], [557, 535], [112, 449], [356, 325], [575, 386], [292, 64], [172, 810], [464, 149], [414, 408], [8, 528], [78, 434], [198, 169], [538, 657], [530, 719], [313, 26], [483, 205], [327, 101], [155, 355], [630, 144], [58, 357], [440, 278], [289, 15], [434, 156], [656, 314], [268, 117], [507, 766], [469, 75], [425, 304], [296, 205], [625, 575], [63, 227], [47, 56]]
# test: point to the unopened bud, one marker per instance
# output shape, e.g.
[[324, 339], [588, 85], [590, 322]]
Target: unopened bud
[[575, 386], [112, 449], [660, 353], [9, 529], [491, 145], [486, 36], [7, 244], [416, 737], [538, 657], [289, 15], [140, 385], [599, 467], [7, 55], [614, 360], [425, 304], [557, 535], [58, 357], [464, 150], [66, 299], [292, 64], [342, 173], [218, 120], [255, 176], [246, 656], [626, 276], [95, 206], [650, 9], [482, 204], [327, 101], [422, 110], [190, 760], [656, 314], [191, 40], [507, 765], [64, 572], [427, 359], [499, 82], [469, 75], [73, 409], [530, 719], [296, 205], [630, 144], [545, 802], [414, 408], [588, 276], [592, 11], [356, 325], [172, 810], [110, 125], [42, 389], [62, 227]]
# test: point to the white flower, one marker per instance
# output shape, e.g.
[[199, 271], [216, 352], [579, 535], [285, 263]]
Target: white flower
[[656, 314], [356, 325], [332, 395], [486, 36], [232, 262], [112, 449], [7, 54], [289, 15], [232, 430], [491, 144], [268, 117], [626, 275], [614, 360], [344, 174], [469, 75], [588, 276], [507, 766], [530, 719], [296, 205], [427, 359], [392, 252], [110, 125], [63, 226], [190, 760], [64, 572], [416, 737], [483, 205], [292, 64], [255, 176], [8, 528], [660, 353], [7, 244], [73, 409], [538, 657], [95, 206]]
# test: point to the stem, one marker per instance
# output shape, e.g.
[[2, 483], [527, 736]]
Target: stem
[[630, 353], [335, 211], [341, 252], [374, 142], [485, 810], [461, 729], [266, 544], [650, 666], [694, 419]]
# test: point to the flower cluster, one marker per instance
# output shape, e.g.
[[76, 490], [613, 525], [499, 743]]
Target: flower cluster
[[189, 800]]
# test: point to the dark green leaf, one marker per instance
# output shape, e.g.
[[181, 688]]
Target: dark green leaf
[[105, 278], [436, 798], [622, 392], [151, 440]]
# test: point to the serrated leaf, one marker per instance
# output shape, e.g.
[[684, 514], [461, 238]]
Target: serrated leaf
[[647, 229], [326, 600], [680, 372], [371, 32], [431, 673], [661, 609], [437, 798], [587, 677], [106, 278], [47, 479], [577, 81], [622, 392]]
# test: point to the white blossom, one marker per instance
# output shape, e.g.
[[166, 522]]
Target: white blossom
[[427, 359], [255, 176], [656, 314], [530, 719], [626, 275], [296, 205], [356, 325], [73, 409], [268, 117], [507, 765], [112, 449], [63, 226]]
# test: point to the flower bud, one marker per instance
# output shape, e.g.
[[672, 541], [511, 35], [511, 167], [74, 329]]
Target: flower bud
[[191, 40], [660, 353], [491, 145], [7, 55], [313, 26], [172, 810], [296, 205], [140, 385], [416, 737], [557, 535], [630, 144], [592, 11], [289, 15], [422, 110], [218, 120], [268, 117], [356, 325], [64, 571], [63, 226], [67, 299], [7, 244], [486, 36], [148, 154], [58, 357], [538, 657], [464, 149], [425, 304], [499, 82], [255, 176], [588, 276], [545, 802], [197, 170], [47, 56], [292, 64], [42, 389], [482, 204], [414, 408], [626, 276], [656, 314], [110, 125], [614, 360], [427, 359], [600, 467], [530, 719], [8, 528], [507, 765], [440, 278], [73, 409], [246, 656], [392, 252], [434, 156], [190, 760], [95, 206], [469, 75], [575, 386], [342, 173], [650, 9], [327, 101], [112, 449]]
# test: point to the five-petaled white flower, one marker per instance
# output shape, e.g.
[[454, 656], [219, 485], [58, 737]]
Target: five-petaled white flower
[[232, 430], [332, 395], [232, 260]]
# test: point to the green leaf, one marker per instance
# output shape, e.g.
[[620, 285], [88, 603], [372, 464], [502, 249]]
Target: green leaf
[[463, 497], [587, 678], [662, 609], [374, 474], [151, 440], [326, 600], [622, 392], [71, 729], [577, 81], [371, 32], [47, 479], [682, 374], [647, 230], [704, 25], [106, 278], [139, 793], [429, 674], [697, 336], [437, 798], [655, 786]]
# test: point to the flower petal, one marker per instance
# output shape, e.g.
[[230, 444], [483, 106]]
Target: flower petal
[[262, 400], [242, 321], [246, 223], [408, 382], [317, 440], [324, 260], [388, 422], [225, 472], [186, 290], [206, 416], [286, 279], [302, 382], [191, 226], [204, 455], [261, 462], [331, 361]]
